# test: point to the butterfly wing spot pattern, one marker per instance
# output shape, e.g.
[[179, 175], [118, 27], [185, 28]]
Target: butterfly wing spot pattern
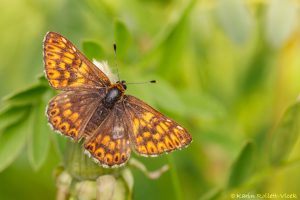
[[67, 68], [108, 153], [154, 134], [92, 108]]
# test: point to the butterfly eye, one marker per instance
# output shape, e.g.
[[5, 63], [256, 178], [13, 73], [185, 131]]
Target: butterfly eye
[[124, 84]]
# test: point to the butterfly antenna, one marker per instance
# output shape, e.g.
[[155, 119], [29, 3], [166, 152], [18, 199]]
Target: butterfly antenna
[[116, 63], [152, 81]]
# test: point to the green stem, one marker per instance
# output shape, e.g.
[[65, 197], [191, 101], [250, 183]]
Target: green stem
[[175, 178]]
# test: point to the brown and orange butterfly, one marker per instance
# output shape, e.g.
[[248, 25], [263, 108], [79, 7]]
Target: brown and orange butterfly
[[93, 108]]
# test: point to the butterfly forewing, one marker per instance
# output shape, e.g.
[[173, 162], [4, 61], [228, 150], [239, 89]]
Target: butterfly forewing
[[109, 144], [70, 111], [67, 68], [152, 133]]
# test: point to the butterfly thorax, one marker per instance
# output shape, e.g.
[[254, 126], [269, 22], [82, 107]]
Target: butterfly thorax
[[114, 93]]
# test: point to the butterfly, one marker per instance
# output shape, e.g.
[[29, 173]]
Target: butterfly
[[92, 108]]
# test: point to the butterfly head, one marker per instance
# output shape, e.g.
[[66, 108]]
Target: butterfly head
[[122, 85]]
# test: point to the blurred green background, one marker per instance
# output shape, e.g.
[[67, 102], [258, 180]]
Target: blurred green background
[[227, 70]]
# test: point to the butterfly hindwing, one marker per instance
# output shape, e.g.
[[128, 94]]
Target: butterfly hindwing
[[67, 68], [70, 111], [152, 133], [109, 144]]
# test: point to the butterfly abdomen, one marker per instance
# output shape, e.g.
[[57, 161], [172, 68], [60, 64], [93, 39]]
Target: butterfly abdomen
[[114, 94]]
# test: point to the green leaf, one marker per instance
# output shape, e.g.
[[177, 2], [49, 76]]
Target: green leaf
[[242, 166], [213, 194], [12, 142], [256, 71], [173, 50], [285, 135], [169, 31], [122, 37], [27, 96], [203, 106], [167, 97], [59, 143], [93, 50], [12, 115], [235, 19], [282, 21], [42, 79], [143, 92], [40, 134]]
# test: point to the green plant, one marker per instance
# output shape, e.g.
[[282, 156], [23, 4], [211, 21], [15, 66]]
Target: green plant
[[228, 70]]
